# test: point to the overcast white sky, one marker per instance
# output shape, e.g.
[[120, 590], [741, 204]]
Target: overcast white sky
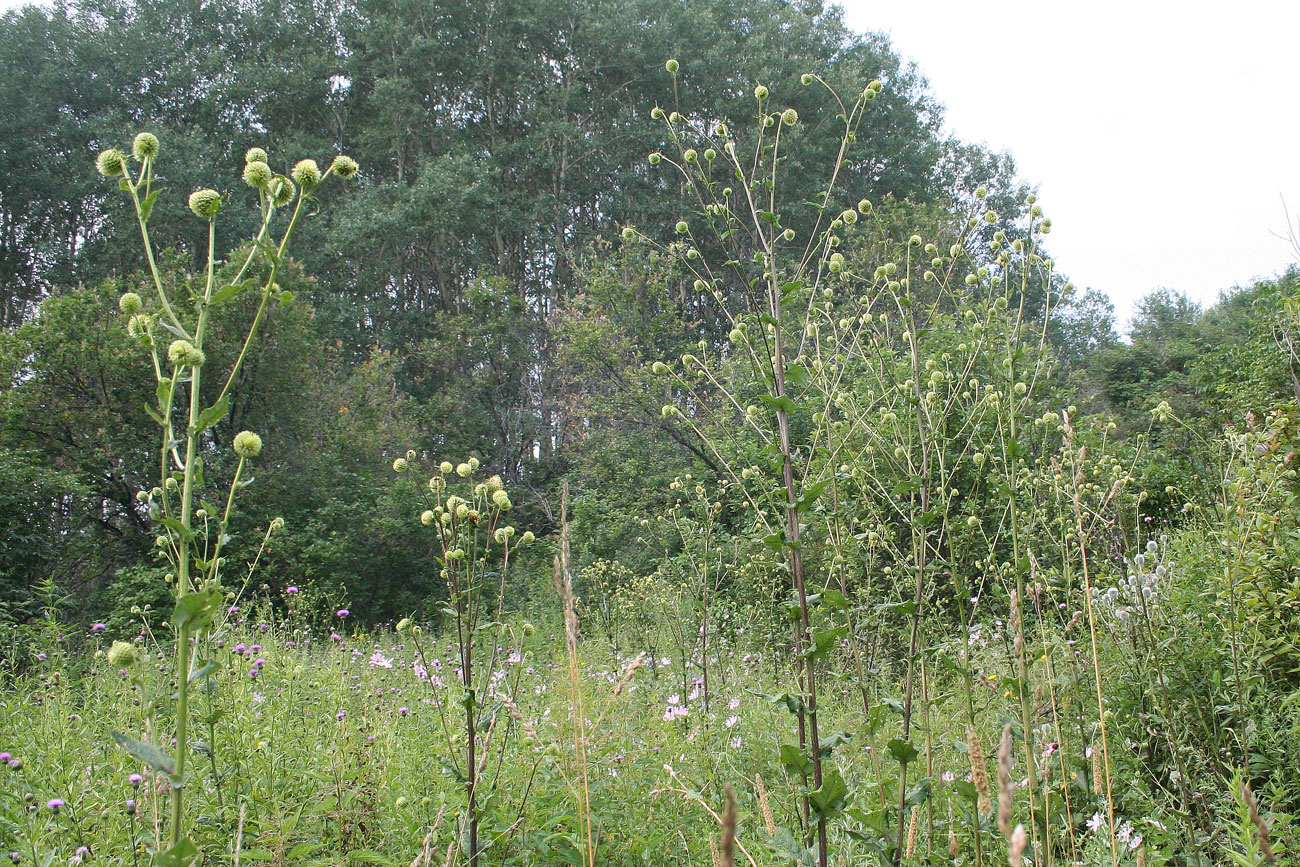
[[1163, 136]]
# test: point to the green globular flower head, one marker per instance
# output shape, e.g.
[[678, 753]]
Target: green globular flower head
[[137, 325], [145, 147], [344, 167], [682, 227], [205, 204], [122, 655], [849, 217], [282, 191], [463, 470], [183, 353], [258, 175], [671, 66], [400, 465], [111, 163], [690, 155], [864, 206], [526, 537], [255, 155], [248, 444], [629, 234], [445, 468], [789, 117], [428, 518], [760, 92], [654, 158], [306, 174], [501, 500], [130, 304]]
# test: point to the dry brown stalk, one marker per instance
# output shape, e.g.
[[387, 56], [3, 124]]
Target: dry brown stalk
[[978, 770], [727, 853], [1004, 781], [765, 806], [1265, 848]]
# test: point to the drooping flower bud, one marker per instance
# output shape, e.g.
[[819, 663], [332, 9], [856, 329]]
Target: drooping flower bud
[[145, 147], [205, 204], [344, 167], [248, 444], [182, 352], [111, 163], [282, 191]]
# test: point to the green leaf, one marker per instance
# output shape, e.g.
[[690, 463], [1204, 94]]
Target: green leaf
[[370, 856], [795, 760], [775, 541], [827, 800], [778, 404], [824, 641], [204, 671], [902, 751], [164, 394], [918, 794], [194, 611], [831, 741], [796, 374], [178, 528], [213, 414], [835, 599], [230, 290], [810, 494], [906, 608], [147, 753], [182, 854], [146, 207]]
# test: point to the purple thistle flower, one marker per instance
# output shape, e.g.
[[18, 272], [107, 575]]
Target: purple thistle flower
[[97, 627], [4, 757], [343, 612], [252, 672], [291, 590], [55, 803], [135, 780]]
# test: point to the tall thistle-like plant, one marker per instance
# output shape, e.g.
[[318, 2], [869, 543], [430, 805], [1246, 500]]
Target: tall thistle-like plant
[[473, 544], [193, 531]]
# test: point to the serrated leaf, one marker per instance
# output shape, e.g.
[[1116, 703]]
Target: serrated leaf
[[145, 752], [828, 799], [824, 641], [194, 611], [795, 760], [146, 207], [902, 751], [213, 414]]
